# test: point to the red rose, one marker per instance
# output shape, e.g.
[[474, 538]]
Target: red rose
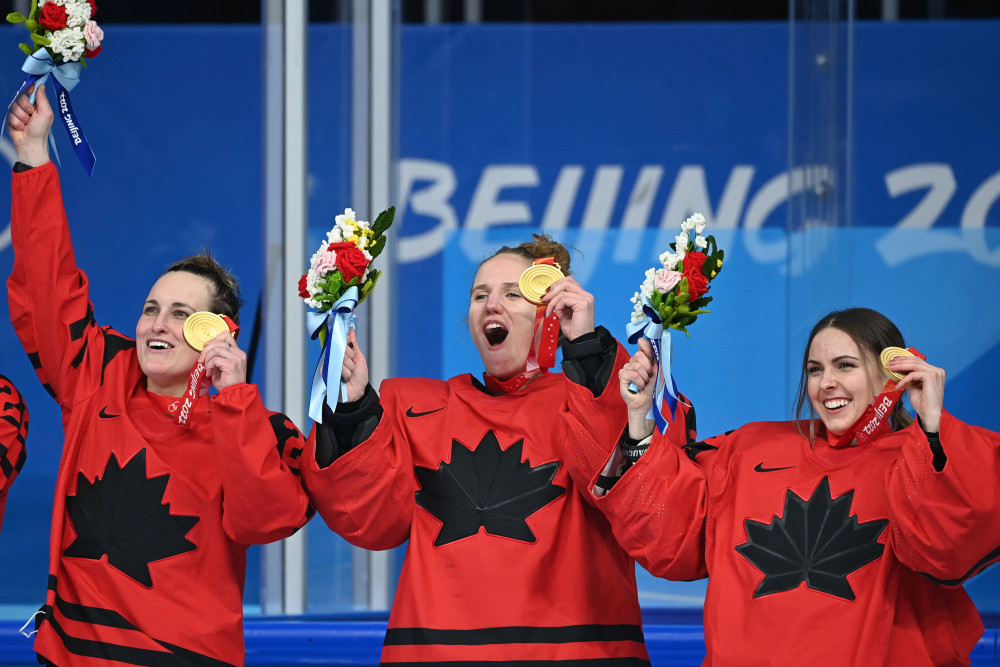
[[303, 292], [93, 54], [53, 16], [350, 261], [697, 282], [93, 8]]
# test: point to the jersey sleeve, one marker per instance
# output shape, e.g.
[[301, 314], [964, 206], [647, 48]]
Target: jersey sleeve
[[944, 497], [366, 495], [259, 453], [48, 295], [658, 507], [595, 423], [13, 432]]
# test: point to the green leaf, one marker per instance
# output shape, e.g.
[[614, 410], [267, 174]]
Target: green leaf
[[383, 221], [15, 17], [27, 49], [40, 40], [376, 248], [31, 24]]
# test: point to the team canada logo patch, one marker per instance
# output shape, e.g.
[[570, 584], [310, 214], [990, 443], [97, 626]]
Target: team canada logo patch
[[122, 515], [817, 541], [487, 487]]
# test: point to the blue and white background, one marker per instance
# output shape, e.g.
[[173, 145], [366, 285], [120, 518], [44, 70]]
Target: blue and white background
[[606, 137]]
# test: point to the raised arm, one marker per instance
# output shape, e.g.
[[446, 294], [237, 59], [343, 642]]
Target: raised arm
[[48, 295], [357, 467]]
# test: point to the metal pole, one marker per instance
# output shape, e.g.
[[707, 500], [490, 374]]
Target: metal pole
[[296, 222]]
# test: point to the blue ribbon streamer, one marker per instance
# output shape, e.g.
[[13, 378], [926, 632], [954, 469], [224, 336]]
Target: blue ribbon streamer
[[337, 322], [651, 326], [38, 66]]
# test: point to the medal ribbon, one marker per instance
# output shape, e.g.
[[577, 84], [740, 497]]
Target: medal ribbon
[[874, 421], [331, 327], [194, 390], [38, 66], [543, 353], [651, 326]]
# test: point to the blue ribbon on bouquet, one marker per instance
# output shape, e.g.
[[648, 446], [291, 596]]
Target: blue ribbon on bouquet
[[39, 65], [336, 322], [651, 326]]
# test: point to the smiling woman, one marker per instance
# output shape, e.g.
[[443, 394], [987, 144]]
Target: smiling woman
[[506, 559], [851, 528], [157, 498]]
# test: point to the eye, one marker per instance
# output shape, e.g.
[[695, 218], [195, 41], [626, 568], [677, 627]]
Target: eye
[[149, 310], [180, 314], [513, 295], [847, 365], [479, 296], [813, 370]]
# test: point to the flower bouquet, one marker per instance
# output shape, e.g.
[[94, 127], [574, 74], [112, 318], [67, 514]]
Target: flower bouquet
[[62, 34], [340, 277], [672, 296]]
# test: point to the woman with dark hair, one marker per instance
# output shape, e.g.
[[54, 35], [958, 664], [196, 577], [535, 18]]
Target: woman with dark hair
[[13, 432], [839, 538], [506, 560], [161, 487]]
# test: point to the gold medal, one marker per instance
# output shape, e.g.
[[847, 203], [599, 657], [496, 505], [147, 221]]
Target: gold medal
[[536, 279], [888, 354], [201, 327]]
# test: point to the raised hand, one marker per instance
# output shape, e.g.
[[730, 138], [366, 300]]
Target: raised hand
[[573, 305], [28, 126], [924, 386], [225, 363], [641, 371], [355, 369]]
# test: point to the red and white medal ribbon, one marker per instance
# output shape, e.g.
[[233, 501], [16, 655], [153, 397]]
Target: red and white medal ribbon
[[194, 390], [874, 421]]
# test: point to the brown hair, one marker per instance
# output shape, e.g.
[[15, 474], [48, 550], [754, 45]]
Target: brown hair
[[226, 299], [872, 332], [541, 245]]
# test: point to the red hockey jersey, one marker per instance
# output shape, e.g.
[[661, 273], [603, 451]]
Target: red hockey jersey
[[506, 559], [151, 521], [815, 555], [13, 431]]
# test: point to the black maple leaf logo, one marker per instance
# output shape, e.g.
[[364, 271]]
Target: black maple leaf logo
[[122, 515], [486, 487], [816, 541]]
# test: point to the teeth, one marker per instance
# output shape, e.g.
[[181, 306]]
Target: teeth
[[158, 345], [837, 403], [493, 325]]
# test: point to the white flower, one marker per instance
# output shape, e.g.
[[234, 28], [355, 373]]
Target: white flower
[[636, 298], [68, 43], [700, 242], [647, 285], [669, 260], [638, 313], [77, 14]]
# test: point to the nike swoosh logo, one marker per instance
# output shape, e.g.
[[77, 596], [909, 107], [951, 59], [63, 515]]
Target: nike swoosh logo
[[760, 468], [411, 413], [104, 415]]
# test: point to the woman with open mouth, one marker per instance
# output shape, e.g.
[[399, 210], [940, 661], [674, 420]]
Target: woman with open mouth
[[841, 537], [506, 560]]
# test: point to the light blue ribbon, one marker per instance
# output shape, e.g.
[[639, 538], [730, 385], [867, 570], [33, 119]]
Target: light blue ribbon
[[650, 326], [38, 66], [337, 322]]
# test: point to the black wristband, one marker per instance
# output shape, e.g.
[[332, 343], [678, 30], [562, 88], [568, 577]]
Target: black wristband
[[631, 448]]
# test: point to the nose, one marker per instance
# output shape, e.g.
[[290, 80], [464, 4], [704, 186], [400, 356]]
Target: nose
[[493, 303], [828, 381], [159, 322]]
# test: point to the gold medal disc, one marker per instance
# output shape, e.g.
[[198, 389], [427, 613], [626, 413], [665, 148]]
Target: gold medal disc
[[536, 279], [201, 327], [891, 353]]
